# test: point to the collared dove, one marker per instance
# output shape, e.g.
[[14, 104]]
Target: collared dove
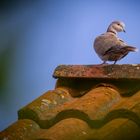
[[111, 48]]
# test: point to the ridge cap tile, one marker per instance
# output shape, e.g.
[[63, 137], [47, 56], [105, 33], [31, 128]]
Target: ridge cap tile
[[123, 71]]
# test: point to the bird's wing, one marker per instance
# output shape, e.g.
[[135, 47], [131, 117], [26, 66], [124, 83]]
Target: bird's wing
[[113, 49], [105, 41], [115, 53], [118, 52], [120, 49]]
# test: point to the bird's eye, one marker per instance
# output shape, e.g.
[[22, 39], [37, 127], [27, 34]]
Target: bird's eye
[[118, 24]]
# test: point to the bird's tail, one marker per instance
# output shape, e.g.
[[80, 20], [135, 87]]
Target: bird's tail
[[131, 49]]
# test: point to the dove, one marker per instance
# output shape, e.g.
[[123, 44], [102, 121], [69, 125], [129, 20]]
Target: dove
[[109, 47]]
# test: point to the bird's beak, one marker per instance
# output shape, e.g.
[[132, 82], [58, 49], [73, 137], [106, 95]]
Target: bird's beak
[[124, 31]]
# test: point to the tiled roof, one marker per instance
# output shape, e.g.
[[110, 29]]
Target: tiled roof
[[104, 105]]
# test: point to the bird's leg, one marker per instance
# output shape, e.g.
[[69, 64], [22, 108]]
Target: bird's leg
[[104, 62], [115, 62]]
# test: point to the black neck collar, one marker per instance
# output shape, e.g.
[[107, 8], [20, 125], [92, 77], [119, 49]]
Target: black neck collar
[[112, 32]]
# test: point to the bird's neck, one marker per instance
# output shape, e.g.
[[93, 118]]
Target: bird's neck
[[111, 30]]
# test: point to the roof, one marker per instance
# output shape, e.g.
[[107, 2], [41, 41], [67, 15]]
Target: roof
[[88, 103]]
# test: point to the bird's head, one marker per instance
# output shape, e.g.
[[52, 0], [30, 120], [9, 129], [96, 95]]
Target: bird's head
[[116, 26]]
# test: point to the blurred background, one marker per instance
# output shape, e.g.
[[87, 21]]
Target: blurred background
[[38, 35]]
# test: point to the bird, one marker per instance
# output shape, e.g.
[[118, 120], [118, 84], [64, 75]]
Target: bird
[[109, 47]]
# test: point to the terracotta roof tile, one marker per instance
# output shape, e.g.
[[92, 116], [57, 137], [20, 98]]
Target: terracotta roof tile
[[67, 129], [117, 129], [38, 109], [22, 129]]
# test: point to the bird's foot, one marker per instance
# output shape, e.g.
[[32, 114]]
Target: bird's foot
[[115, 62], [104, 63]]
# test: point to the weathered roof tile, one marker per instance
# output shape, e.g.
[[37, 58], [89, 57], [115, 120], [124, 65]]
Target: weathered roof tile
[[21, 130], [38, 109], [126, 71], [92, 106]]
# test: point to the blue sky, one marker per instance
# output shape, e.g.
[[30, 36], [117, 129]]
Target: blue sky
[[39, 35]]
